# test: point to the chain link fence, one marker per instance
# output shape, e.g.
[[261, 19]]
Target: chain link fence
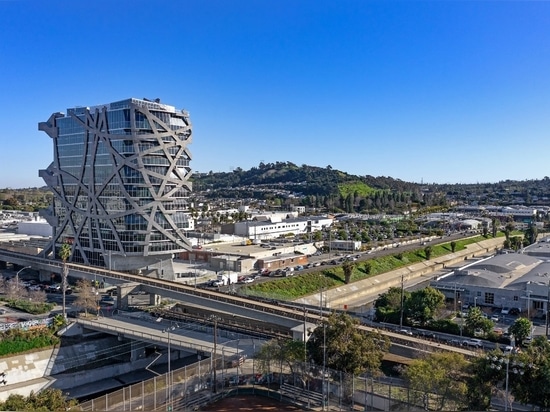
[[235, 370]]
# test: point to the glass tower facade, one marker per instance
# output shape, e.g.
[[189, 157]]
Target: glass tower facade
[[120, 179]]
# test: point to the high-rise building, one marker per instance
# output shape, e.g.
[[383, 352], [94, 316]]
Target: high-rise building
[[120, 178]]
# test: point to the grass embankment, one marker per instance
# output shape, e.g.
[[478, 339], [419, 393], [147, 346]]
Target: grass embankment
[[309, 283]]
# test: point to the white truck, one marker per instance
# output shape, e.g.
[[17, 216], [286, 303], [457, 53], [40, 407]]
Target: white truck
[[227, 278]]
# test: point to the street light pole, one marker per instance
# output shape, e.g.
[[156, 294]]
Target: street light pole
[[17, 274]]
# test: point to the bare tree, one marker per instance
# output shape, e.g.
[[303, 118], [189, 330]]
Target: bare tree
[[37, 296], [87, 298], [13, 290]]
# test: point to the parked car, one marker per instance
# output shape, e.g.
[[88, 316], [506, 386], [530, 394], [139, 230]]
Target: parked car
[[475, 343]]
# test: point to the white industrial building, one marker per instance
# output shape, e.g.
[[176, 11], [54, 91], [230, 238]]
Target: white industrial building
[[270, 229]]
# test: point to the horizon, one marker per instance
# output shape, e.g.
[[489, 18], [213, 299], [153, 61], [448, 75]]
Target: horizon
[[44, 186], [439, 92]]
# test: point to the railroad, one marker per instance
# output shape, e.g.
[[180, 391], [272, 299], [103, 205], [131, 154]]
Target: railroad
[[311, 315]]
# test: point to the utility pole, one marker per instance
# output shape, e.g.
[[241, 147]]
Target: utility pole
[[215, 319]]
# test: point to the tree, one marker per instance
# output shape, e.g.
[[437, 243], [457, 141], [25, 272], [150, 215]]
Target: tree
[[367, 268], [289, 352], [428, 252], [531, 233], [495, 223], [482, 374], [476, 321], [37, 296], [532, 384], [388, 305], [508, 229], [64, 253], [521, 329], [424, 304], [441, 374], [13, 290], [87, 298], [348, 349], [348, 267], [45, 400], [453, 246]]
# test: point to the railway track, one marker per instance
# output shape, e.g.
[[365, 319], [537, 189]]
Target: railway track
[[280, 309]]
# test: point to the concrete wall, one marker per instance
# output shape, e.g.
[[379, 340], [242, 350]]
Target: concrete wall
[[340, 296], [25, 373]]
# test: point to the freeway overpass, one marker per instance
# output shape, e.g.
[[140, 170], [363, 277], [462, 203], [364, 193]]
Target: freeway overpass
[[276, 318], [229, 308]]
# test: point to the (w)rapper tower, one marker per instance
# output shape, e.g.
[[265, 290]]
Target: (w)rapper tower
[[120, 179]]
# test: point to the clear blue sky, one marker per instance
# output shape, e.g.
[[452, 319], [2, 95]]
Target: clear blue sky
[[433, 91]]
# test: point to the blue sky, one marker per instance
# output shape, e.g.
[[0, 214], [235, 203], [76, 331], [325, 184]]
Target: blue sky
[[433, 91]]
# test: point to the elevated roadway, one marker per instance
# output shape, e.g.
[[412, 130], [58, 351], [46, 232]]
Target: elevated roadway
[[227, 307]]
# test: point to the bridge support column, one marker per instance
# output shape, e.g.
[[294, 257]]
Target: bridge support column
[[44, 275], [154, 299], [3, 264], [136, 350]]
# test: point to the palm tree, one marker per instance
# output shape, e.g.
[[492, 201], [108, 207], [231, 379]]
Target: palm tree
[[348, 267], [64, 254]]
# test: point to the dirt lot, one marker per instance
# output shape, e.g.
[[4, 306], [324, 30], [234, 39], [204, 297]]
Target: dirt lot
[[249, 403]]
